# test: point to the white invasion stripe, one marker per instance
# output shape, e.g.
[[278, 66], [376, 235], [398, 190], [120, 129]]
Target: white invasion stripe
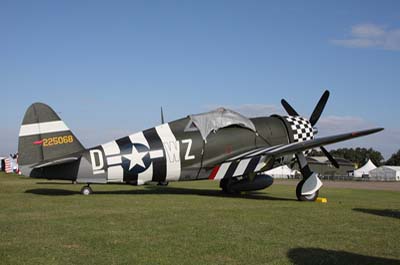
[[114, 160], [138, 138], [171, 147], [156, 154], [222, 171], [146, 175], [259, 166], [241, 167], [111, 148], [42, 128], [115, 174]]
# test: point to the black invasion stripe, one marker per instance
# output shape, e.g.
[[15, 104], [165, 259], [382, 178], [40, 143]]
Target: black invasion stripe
[[231, 170], [159, 164], [252, 165], [125, 146]]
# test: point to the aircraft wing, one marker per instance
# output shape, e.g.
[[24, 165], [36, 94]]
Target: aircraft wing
[[293, 148], [255, 160]]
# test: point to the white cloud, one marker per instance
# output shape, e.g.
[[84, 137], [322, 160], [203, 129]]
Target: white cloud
[[367, 31], [371, 35]]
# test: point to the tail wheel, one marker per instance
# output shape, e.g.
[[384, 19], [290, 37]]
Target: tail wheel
[[162, 183], [308, 198], [86, 190]]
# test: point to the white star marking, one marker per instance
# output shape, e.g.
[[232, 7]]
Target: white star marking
[[136, 158]]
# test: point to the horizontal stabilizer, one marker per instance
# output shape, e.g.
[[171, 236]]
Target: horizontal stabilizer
[[56, 162]]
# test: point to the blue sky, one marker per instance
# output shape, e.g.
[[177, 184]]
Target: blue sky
[[107, 66]]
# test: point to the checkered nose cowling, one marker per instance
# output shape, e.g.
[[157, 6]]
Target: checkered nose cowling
[[300, 128]]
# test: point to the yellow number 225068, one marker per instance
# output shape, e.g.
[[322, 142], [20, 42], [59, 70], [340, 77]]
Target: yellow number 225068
[[58, 140]]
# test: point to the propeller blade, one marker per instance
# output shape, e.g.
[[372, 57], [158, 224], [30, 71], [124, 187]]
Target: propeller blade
[[329, 156], [162, 116], [319, 108], [289, 108]]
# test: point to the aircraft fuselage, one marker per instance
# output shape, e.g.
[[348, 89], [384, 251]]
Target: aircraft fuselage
[[172, 151]]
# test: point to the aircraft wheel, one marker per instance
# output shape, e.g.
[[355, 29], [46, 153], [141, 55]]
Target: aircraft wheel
[[86, 190], [163, 183], [308, 198]]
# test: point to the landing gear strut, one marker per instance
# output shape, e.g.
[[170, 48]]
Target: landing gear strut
[[86, 190]]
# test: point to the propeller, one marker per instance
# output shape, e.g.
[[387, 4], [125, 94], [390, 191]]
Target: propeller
[[289, 108], [319, 108], [316, 114], [329, 156]]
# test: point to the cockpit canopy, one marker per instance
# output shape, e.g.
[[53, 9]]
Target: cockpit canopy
[[220, 118]]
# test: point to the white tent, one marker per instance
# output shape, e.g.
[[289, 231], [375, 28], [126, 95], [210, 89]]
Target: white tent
[[281, 172], [364, 170], [389, 173]]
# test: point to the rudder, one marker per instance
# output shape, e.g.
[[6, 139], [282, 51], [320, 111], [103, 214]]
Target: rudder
[[44, 136]]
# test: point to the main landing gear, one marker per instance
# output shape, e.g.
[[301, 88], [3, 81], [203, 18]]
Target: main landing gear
[[308, 198], [86, 190]]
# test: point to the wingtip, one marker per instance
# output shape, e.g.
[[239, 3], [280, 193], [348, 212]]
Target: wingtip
[[378, 129], [366, 132]]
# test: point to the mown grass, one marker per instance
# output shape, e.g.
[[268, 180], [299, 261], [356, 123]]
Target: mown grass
[[45, 222]]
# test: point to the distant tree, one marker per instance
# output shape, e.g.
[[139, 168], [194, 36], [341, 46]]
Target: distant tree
[[359, 155], [394, 160], [315, 153]]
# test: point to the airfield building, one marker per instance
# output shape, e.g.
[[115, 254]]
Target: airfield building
[[282, 172], [322, 166], [385, 173]]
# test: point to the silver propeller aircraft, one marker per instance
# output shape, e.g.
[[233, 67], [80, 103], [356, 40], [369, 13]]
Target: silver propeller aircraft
[[219, 145]]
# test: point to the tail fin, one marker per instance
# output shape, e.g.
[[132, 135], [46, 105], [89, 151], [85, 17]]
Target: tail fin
[[44, 136]]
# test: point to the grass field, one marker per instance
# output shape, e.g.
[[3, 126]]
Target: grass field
[[45, 222]]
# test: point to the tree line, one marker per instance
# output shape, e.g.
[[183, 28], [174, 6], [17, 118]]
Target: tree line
[[360, 156]]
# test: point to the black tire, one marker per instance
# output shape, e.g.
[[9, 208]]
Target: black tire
[[306, 198], [86, 190], [163, 183]]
